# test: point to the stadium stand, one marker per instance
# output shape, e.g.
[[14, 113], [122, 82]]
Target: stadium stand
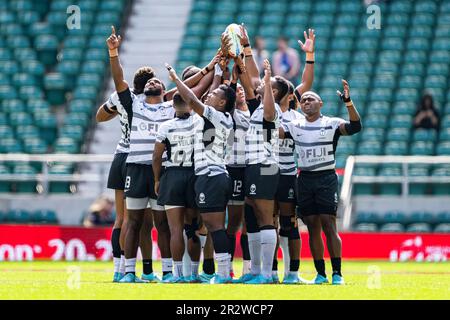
[[51, 78]]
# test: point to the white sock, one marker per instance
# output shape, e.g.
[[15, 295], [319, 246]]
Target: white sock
[[130, 265], [186, 258], [268, 245], [254, 246], [122, 264], [245, 267], [178, 269], [167, 264], [223, 264], [194, 267], [284, 244], [116, 264], [202, 241]]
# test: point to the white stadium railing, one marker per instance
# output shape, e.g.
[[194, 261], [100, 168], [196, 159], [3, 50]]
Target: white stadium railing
[[47, 160], [345, 205]]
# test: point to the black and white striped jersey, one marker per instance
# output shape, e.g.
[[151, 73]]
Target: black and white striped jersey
[[286, 146], [146, 119], [178, 135], [113, 103], [315, 142], [211, 142], [236, 157], [261, 140]]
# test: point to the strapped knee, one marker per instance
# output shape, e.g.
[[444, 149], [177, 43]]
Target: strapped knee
[[190, 232]]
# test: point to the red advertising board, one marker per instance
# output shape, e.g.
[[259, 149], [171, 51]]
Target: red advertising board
[[28, 242]]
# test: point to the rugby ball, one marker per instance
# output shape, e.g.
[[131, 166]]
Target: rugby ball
[[233, 30]]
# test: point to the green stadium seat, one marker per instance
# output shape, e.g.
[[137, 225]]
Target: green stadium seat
[[441, 56], [416, 56], [72, 131], [421, 148], [438, 69], [272, 19], [56, 85], [27, 131], [398, 134], [18, 216], [71, 54], [115, 6], [419, 228], [424, 135], [9, 67], [3, 119], [443, 148], [410, 82], [76, 119], [396, 148], [59, 186], [421, 217], [10, 145], [365, 227], [4, 185], [47, 123], [425, 19], [81, 106], [6, 131], [66, 145], [85, 92], [404, 108], [29, 92], [412, 69], [23, 79], [417, 44], [111, 18], [442, 228], [13, 105], [199, 18], [75, 42], [46, 46], [401, 121], [33, 67], [276, 7], [392, 227], [38, 105], [394, 56], [418, 188], [436, 81], [367, 218], [441, 44], [394, 217], [444, 134], [93, 67], [376, 121], [370, 148], [407, 94], [21, 119], [28, 186], [34, 146], [48, 216]]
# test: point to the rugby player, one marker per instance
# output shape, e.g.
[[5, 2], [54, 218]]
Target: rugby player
[[145, 116], [316, 137], [213, 185], [175, 190], [117, 173]]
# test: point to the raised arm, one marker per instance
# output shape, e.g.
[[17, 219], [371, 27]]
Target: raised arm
[[250, 62], [105, 114], [269, 101], [308, 70], [354, 125], [113, 43], [244, 76], [186, 93]]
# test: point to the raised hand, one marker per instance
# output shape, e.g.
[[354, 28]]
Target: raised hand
[[214, 61], [267, 71], [172, 73], [310, 38], [225, 45], [113, 41], [346, 95], [243, 37]]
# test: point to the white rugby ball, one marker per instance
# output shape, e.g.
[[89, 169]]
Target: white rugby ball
[[233, 30]]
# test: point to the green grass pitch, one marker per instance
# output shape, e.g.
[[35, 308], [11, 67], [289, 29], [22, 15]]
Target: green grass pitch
[[92, 280]]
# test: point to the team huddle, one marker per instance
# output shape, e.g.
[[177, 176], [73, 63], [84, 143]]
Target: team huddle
[[223, 151]]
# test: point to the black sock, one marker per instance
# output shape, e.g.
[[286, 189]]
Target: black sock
[[244, 246], [336, 265], [166, 272], [294, 265], [275, 264], [133, 273], [115, 236], [122, 253], [147, 266], [208, 266], [232, 238], [221, 241], [320, 267]]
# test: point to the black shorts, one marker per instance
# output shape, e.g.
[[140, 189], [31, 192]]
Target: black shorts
[[118, 172], [237, 176], [286, 189], [177, 187], [212, 193], [140, 182], [317, 193], [261, 181]]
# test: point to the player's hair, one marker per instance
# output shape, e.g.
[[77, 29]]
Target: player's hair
[[178, 101], [142, 75], [189, 71], [230, 97], [282, 85]]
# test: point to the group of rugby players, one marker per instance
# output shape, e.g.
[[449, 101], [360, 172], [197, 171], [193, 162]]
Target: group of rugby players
[[220, 150]]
